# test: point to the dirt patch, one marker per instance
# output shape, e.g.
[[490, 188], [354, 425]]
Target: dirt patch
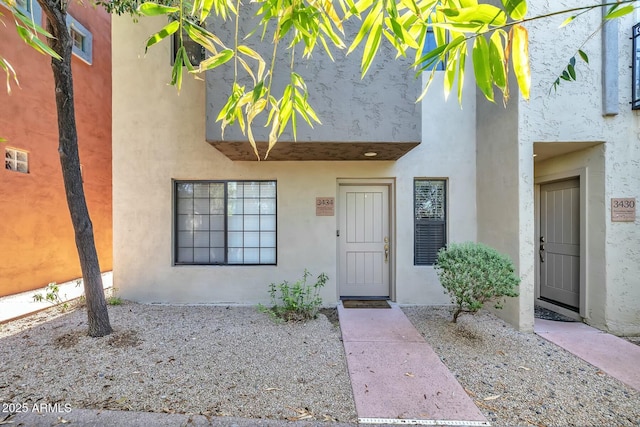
[[67, 340], [331, 314], [124, 339]]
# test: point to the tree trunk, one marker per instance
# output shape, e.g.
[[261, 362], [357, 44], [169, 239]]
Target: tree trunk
[[61, 43]]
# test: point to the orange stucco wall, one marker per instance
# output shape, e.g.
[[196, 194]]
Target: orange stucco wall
[[37, 243]]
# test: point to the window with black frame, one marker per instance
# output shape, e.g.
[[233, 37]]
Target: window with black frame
[[430, 219], [225, 222]]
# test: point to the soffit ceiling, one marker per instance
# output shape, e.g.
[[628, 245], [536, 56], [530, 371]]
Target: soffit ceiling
[[547, 150], [315, 151]]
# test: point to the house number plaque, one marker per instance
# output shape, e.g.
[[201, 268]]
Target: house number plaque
[[623, 210], [325, 206]]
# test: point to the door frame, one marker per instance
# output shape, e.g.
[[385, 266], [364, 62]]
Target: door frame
[[580, 173], [390, 183]]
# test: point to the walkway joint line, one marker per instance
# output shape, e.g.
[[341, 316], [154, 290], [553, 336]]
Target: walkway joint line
[[403, 421]]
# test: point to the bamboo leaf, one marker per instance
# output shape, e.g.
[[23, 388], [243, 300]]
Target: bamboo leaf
[[520, 58], [567, 21], [584, 56], [216, 60], [176, 71], [247, 69], [206, 9], [203, 37], [372, 45], [374, 16], [168, 30], [330, 12], [450, 74], [32, 40], [497, 61], [245, 50], [486, 14], [154, 9], [572, 71], [10, 72], [482, 67], [617, 12], [461, 66], [516, 9], [28, 22]]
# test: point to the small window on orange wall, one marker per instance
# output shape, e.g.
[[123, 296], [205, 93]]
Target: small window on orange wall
[[16, 160]]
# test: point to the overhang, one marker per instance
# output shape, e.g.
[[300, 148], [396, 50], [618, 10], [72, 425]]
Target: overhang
[[309, 151]]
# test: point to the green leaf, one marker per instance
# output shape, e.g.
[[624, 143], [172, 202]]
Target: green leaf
[[497, 60], [203, 37], [372, 45], [450, 73], [206, 9], [520, 58], [516, 9], [29, 23], [374, 15], [32, 40], [461, 66], [567, 21], [584, 56], [154, 9], [482, 67], [572, 71], [245, 50], [617, 12], [483, 13], [176, 71], [168, 30], [216, 60]]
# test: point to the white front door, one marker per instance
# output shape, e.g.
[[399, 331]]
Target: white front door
[[559, 242], [364, 241]]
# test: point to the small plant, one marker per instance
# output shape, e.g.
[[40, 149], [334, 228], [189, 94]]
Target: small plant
[[299, 301], [113, 300], [52, 295], [472, 274]]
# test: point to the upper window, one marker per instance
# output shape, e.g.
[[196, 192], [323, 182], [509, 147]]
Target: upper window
[[430, 219], [16, 160], [225, 222], [30, 8], [429, 45], [82, 40]]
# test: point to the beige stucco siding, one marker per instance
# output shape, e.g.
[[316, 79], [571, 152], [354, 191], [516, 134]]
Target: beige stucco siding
[[574, 114], [159, 136]]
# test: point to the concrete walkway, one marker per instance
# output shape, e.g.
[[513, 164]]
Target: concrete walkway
[[396, 376], [611, 354]]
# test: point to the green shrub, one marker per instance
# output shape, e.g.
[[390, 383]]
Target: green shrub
[[472, 274], [299, 301]]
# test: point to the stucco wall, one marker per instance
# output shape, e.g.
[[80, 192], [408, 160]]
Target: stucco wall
[[505, 199], [160, 135], [574, 113], [36, 237], [350, 106]]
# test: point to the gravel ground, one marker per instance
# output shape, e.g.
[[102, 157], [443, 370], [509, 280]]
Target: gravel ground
[[521, 379], [215, 361], [234, 361]]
